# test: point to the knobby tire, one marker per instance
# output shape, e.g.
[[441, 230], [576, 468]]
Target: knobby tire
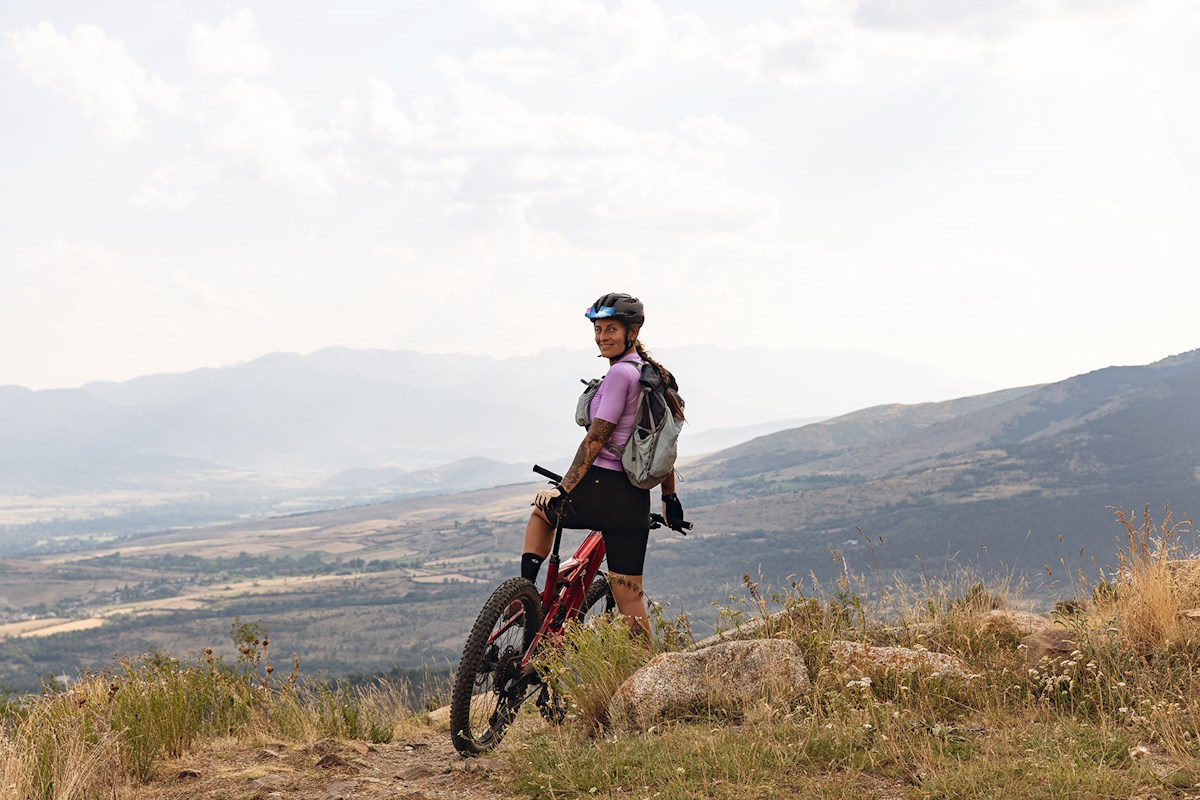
[[595, 593], [489, 674]]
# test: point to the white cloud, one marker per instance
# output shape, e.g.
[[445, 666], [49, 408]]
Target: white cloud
[[233, 46], [172, 188], [713, 130], [819, 44], [577, 173], [94, 72], [993, 19], [631, 37], [250, 131], [159, 197], [981, 17]]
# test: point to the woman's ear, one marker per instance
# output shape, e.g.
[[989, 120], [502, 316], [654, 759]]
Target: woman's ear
[[632, 332]]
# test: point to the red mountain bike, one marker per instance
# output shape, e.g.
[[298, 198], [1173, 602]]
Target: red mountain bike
[[495, 674]]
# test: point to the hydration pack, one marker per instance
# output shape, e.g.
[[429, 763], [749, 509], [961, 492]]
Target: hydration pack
[[649, 455]]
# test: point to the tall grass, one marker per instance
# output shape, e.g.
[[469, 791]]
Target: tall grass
[[1118, 717], [118, 725], [1147, 606]]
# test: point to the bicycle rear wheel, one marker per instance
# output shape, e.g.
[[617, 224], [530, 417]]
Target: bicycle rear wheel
[[591, 607], [489, 687]]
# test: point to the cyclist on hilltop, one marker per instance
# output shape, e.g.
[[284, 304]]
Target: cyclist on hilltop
[[602, 497]]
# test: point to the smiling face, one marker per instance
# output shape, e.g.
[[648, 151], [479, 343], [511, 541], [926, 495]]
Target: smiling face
[[610, 338]]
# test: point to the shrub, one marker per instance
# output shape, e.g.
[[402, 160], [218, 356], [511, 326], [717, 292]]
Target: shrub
[[590, 662], [1147, 605]]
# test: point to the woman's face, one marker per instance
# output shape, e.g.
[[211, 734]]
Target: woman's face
[[610, 337]]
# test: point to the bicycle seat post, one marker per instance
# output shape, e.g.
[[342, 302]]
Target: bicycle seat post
[[553, 562]]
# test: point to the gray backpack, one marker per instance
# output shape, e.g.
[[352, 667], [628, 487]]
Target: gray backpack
[[649, 455]]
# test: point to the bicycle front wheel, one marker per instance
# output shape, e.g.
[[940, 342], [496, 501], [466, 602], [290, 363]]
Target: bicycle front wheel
[[489, 686]]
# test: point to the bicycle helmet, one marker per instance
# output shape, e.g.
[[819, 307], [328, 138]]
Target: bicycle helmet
[[619, 306]]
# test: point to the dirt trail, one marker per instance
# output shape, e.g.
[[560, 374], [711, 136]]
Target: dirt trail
[[423, 765]]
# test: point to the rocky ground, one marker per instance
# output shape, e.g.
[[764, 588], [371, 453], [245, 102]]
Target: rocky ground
[[421, 764]]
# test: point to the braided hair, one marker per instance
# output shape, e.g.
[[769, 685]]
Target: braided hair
[[672, 397]]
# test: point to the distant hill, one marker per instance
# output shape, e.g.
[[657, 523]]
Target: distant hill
[[340, 409], [997, 477]]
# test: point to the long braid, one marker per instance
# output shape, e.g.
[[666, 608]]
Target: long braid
[[672, 398]]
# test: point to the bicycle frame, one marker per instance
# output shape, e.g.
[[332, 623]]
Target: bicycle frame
[[566, 583], [574, 575]]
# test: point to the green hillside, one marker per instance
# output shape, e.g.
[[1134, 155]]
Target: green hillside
[[994, 479]]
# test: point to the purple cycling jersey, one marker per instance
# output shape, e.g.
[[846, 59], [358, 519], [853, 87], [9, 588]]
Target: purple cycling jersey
[[616, 402]]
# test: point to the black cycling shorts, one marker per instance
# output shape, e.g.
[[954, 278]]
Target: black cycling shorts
[[606, 501]]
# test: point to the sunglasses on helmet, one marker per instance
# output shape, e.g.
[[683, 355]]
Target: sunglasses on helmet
[[604, 312]]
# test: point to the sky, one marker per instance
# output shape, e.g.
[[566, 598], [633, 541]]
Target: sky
[[1005, 190]]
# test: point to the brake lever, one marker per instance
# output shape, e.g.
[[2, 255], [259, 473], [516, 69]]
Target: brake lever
[[657, 521]]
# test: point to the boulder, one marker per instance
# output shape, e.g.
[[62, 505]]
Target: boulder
[[1047, 650], [1185, 577], [724, 675], [866, 659], [1191, 618], [1021, 621]]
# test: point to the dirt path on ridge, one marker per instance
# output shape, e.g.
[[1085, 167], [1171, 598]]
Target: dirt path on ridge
[[418, 764]]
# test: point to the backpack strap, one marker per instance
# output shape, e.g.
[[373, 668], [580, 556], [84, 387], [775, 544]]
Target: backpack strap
[[620, 451]]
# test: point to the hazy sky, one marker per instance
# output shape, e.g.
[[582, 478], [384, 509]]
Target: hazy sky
[[1006, 189]]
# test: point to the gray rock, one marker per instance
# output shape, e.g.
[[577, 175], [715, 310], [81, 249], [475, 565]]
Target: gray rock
[[272, 781], [724, 675], [1185, 578], [340, 790], [1047, 650], [1022, 621], [416, 773], [866, 658], [331, 760]]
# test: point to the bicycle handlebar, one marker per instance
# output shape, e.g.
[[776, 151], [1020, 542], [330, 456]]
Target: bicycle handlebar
[[545, 473], [658, 521]]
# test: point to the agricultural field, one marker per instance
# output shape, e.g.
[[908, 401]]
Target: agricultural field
[[356, 590]]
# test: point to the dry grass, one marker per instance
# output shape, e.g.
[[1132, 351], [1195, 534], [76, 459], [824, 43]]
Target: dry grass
[[1119, 717], [1147, 605], [117, 726]]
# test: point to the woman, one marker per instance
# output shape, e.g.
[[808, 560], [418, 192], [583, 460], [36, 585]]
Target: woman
[[602, 498]]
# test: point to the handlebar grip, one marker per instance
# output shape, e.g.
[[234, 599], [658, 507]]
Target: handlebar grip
[[658, 521], [547, 473]]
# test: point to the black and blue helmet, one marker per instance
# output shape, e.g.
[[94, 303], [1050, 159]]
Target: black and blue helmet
[[618, 306]]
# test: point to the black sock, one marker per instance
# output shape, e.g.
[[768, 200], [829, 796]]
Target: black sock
[[531, 564]]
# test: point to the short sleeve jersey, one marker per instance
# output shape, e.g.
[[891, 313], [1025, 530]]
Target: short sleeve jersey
[[616, 402]]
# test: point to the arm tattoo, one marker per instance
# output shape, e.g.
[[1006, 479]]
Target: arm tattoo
[[597, 436]]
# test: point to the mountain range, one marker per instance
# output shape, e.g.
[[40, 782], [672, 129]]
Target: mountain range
[[1022, 477], [313, 416]]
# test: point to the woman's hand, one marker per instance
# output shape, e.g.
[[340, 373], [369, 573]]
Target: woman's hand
[[672, 510], [546, 497]]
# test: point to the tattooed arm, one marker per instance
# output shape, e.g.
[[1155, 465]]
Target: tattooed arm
[[597, 436]]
